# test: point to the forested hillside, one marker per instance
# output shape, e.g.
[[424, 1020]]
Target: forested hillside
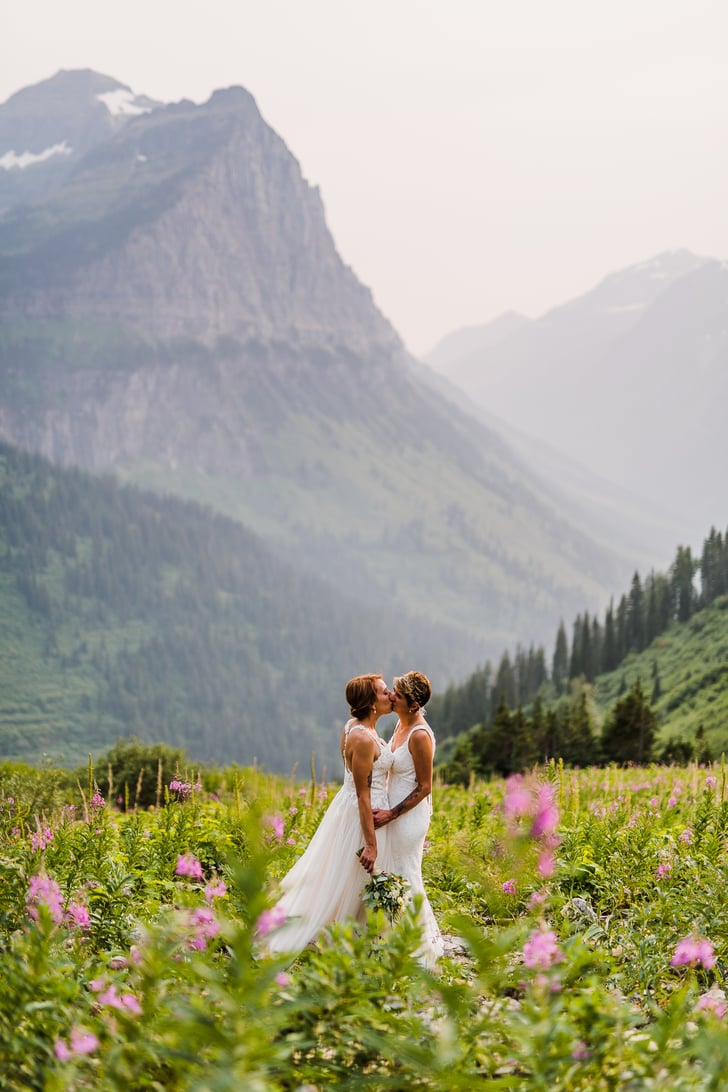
[[125, 613], [666, 638]]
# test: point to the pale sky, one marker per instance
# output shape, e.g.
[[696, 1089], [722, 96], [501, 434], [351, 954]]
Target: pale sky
[[473, 155]]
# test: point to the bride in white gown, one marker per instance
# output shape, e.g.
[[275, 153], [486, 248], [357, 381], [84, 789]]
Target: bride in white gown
[[410, 789], [326, 883]]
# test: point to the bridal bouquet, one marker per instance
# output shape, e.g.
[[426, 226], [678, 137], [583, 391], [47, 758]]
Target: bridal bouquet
[[386, 891]]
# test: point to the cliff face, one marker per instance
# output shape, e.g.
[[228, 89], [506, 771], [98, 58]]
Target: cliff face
[[177, 312], [192, 222]]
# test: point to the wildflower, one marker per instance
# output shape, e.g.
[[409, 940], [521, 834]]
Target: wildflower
[[713, 1001], [293, 810], [215, 890], [82, 1042], [541, 950], [283, 979], [290, 841], [97, 801], [546, 819], [188, 865], [687, 836], [509, 887], [672, 802], [546, 864], [43, 891], [580, 1052], [205, 927], [269, 920], [537, 897], [181, 789], [41, 838], [711, 782], [77, 914], [276, 823], [663, 870], [693, 952], [518, 799]]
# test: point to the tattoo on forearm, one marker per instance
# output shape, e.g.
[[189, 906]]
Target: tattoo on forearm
[[402, 806], [369, 781]]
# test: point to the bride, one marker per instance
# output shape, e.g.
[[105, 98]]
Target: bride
[[326, 883], [412, 747]]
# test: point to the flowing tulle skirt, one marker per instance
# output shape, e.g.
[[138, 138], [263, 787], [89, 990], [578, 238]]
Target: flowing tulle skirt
[[326, 883]]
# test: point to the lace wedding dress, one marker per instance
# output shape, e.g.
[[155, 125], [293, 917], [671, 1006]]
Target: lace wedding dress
[[407, 839], [326, 883]]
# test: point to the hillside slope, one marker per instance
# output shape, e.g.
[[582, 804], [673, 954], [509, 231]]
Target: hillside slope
[[177, 312]]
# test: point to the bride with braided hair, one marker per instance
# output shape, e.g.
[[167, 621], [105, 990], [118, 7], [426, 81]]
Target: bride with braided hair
[[326, 883]]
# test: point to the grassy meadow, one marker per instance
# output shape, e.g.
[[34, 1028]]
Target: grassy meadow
[[584, 912]]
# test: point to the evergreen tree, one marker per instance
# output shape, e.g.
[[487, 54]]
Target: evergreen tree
[[630, 729], [560, 662]]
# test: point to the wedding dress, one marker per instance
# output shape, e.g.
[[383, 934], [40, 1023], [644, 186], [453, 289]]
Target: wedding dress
[[407, 839], [326, 883]]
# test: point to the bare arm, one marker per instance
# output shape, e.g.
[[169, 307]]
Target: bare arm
[[420, 747], [361, 761]]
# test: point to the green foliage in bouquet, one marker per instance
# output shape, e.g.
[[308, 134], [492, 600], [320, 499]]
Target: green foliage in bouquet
[[387, 891]]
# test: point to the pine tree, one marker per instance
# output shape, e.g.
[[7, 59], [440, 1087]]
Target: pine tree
[[560, 662], [630, 729]]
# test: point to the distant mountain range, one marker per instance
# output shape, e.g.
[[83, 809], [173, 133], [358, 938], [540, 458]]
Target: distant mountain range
[[630, 380], [175, 310]]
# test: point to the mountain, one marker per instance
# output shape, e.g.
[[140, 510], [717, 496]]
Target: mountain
[[629, 380], [470, 340], [46, 129], [177, 312], [122, 612]]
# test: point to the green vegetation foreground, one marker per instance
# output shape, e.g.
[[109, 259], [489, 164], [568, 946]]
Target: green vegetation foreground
[[587, 912]]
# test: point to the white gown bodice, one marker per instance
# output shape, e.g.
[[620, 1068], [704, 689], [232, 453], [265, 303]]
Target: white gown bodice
[[380, 773]]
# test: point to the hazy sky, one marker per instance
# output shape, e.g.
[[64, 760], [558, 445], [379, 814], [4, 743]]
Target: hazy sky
[[473, 156]]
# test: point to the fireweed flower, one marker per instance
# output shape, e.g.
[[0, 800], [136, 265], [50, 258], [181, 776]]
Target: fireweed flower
[[182, 789], [541, 950], [42, 891], [215, 890], [270, 920], [663, 870], [204, 925], [97, 801], [276, 822], [687, 836], [546, 818], [693, 952], [82, 1042], [77, 914], [714, 1001], [188, 865], [41, 838], [283, 979], [518, 800], [509, 887]]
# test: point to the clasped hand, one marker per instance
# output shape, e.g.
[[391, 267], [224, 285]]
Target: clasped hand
[[381, 817]]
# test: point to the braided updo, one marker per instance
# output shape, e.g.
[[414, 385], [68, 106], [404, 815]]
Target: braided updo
[[361, 694]]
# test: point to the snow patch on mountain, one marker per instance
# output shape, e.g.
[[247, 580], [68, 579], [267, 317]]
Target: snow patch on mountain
[[122, 102], [11, 160]]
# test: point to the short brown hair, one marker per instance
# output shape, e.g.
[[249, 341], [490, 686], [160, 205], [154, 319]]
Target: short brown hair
[[415, 688], [361, 694]]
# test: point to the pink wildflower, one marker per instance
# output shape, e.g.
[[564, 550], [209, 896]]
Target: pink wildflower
[[283, 979], [546, 819], [687, 836], [580, 1052], [41, 838], [77, 914], [672, 802], [42, 891], [269, 920], [713, 1001], [188, 865], [546, 864], [205, 927], [82, 1042], [693, 952], [61, 1051], [290, 841], [215, 890], [131, 1004], [663, 870], [518, 800], [541, 950], [509, 887], [711, 782], [181, 789], [276, 823], [97, 801]]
